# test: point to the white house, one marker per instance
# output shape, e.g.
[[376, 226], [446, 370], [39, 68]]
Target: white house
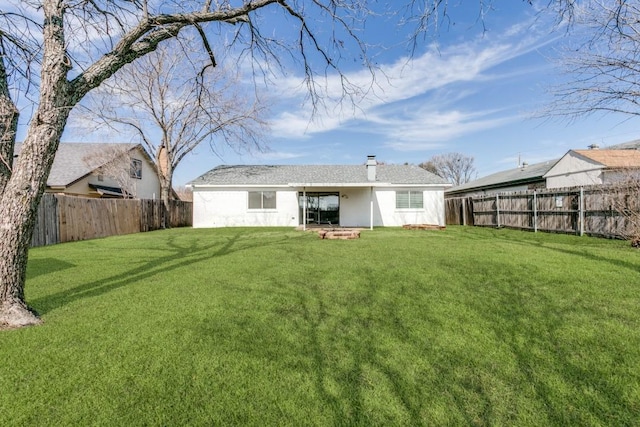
[[593, 167], [340, 195]]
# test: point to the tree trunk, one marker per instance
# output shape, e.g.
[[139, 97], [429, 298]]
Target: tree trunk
[[165, 196], [165, 176], [23, 191], [8, 127]]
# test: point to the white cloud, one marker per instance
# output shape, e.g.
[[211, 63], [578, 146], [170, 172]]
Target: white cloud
[[413, 134], [407, 79], [278, 155]]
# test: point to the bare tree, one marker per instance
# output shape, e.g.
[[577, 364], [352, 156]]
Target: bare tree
[[79, 45], [602, 65], [184, 193], [174, 103], [115, 163], [620, 197], [454, 167], [66, 49]]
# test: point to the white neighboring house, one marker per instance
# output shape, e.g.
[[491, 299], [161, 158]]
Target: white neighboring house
[[88, 169], [338, 195], [593, 167]]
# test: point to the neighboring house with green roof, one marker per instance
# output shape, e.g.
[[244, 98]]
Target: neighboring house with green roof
[[336, 195], [525, 177], [104, 170], [576, 168]]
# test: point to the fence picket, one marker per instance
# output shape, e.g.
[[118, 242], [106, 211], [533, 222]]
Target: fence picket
[[577, 210], [62, 218]]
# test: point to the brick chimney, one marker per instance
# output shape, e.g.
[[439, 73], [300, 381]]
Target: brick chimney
[[371, 168]]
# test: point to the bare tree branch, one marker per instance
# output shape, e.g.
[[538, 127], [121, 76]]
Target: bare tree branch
[[454, 167], [175, 104], [603, 67]]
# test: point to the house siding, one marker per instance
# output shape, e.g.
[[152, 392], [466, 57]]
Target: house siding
[[574, 170], [224, 207], [431, 213], [229, 208]]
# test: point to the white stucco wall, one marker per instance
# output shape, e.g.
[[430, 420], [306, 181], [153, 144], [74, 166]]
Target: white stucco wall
[[229, 207], [431, 213], [355, 207]]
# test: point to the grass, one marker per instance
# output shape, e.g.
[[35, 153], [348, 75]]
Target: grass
[[262, 327]]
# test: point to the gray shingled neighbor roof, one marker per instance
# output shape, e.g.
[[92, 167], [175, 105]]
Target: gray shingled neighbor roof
[[315, 174], [517, 176], [74, 161], [631, 145]]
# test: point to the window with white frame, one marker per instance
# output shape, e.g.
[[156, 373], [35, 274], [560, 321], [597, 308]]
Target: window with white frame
[[262, 199], [136, 169], [409, 200]]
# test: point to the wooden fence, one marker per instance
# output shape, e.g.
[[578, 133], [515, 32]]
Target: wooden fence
[[598, 211], [63, 218], [458, 211]]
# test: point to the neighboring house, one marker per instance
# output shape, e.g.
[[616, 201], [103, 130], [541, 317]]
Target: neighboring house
[[525, 177], [102, 170], [576, 168], [593, 167], [349, 196]]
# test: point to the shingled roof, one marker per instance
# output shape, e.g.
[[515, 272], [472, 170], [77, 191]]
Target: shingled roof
[[76, 160], [516, 176], [613, 158], [265, 175]]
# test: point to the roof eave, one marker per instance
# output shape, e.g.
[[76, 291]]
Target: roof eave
[[497, 185], [318, 184]]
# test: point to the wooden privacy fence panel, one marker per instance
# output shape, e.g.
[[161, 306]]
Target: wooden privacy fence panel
[[181, 214], [458, 211], [599, 211], [63, 218], [46, 230], [83, 219]]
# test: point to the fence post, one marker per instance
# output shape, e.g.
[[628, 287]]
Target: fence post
[[497, 211], [464, 211], [535, 211], [581, 211]]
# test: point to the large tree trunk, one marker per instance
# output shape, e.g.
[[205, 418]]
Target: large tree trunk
[[8, 127], [165, 176], [22, 193]]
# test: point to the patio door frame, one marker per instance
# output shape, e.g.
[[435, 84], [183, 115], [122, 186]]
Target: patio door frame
[[317, 210]]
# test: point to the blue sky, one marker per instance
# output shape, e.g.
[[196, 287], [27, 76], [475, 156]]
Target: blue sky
[[471, 88]]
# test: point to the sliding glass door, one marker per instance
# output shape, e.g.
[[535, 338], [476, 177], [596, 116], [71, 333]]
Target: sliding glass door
[[322, 208]]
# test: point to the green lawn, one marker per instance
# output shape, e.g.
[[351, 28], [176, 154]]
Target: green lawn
[[466, 326]]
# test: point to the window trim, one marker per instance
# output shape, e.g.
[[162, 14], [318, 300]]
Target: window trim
[[262, 200], [409, 200], [135, 170]]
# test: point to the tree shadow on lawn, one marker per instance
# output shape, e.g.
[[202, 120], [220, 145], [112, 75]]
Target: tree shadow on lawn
[[616, 262], [356, 357], [351, 363], [539, 334], [177, 257], [39, 266]]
